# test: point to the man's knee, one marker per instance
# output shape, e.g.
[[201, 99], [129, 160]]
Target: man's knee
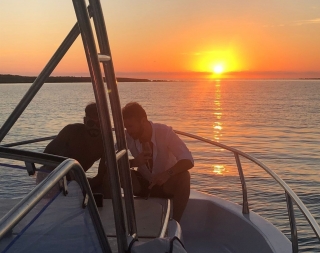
[[185, 182], [178, 182], [183, 178], [136, 186]]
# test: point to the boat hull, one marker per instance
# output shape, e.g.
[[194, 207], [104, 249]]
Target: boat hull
[[212, 224]]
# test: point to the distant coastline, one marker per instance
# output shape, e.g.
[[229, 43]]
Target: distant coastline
[[7, 78], [310, 78]]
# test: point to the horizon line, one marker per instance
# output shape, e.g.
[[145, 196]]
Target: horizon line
[[197, 75]]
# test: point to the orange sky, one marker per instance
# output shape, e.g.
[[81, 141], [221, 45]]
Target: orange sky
[[181, 39]]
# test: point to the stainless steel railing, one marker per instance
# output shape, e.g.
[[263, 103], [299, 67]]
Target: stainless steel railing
[[83, 27], [290, 195], [114, 98], [105, 117], [19, 211], [13, 144]]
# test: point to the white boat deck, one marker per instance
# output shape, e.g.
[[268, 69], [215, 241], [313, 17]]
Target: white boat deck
[[149, 215], [209, 224], [219, 225]]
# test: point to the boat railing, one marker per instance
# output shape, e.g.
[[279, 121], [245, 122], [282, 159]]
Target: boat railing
[[289, 193], [14, 144], [95, 56], [63, 167]]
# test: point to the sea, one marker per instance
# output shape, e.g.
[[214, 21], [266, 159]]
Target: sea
[[276, 121]]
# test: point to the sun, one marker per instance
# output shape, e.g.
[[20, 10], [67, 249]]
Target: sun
[[218, 69]]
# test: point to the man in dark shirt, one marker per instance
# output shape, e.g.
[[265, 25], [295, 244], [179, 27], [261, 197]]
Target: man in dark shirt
[[82, 142]]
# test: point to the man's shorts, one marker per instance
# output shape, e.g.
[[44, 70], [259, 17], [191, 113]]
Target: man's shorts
[[156, 191]]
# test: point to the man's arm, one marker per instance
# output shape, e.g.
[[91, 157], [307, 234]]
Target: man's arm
[[180, 151], [180, 166], [133, 163], [59, 145], [178, 148], [139, 160], [161, 178], [183, 155]]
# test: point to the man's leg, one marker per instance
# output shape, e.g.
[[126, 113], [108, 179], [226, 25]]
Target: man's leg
[[136, 187], [179, 187], [139, 184]]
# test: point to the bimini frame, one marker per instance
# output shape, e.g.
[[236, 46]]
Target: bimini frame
[[118, 161], [83, 27]]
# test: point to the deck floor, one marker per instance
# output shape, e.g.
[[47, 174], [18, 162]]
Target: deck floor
[[207, 226], [149, 215]]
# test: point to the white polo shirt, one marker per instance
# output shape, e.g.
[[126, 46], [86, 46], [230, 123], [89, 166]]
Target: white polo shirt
[[168, 149]]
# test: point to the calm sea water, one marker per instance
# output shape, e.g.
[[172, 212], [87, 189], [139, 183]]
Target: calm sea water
[[278, 122]]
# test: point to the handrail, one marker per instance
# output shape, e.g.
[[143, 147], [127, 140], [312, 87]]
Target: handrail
[[37, 84], [19, 211], [83, 27], [105, 120], [289, 192], [166, 219], [13, 144], [31, 156], [290, 195], [123, 164]]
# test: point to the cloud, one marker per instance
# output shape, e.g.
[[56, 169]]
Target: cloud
[[297, 23], [273, 74], [199, 53], [307, 22]]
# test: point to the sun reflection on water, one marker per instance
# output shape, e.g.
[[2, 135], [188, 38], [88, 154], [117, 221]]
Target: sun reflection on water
[[219, 169], [217, 112]]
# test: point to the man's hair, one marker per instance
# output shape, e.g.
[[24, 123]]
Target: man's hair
[[134, 110], [91, 110]]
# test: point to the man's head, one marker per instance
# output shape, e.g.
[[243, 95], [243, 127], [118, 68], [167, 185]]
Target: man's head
[[91, 120], [134, 118]]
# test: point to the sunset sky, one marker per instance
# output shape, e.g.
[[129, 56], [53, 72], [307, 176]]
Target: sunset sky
[[177, 39]]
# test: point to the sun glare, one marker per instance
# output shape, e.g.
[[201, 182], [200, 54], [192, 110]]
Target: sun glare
[[218, 69], [217, 63]]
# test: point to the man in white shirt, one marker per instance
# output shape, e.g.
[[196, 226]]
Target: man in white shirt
[[162, 159]]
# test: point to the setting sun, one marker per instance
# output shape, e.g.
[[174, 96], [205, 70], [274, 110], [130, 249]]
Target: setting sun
[[218, 69], [217, 63]]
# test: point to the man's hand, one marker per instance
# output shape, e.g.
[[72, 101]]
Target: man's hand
[[159, 179], [141, 159]]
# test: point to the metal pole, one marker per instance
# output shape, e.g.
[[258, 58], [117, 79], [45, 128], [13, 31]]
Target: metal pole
[[245, 206], [28, 141], [292, 220], [37, 84], [105, 122], [124, 166]]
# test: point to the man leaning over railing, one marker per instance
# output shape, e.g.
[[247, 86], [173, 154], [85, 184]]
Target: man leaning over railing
[[82, 142], [162, 159]]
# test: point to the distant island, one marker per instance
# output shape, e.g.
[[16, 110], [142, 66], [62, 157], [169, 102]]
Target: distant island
[[310, 78], [64, 79]]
